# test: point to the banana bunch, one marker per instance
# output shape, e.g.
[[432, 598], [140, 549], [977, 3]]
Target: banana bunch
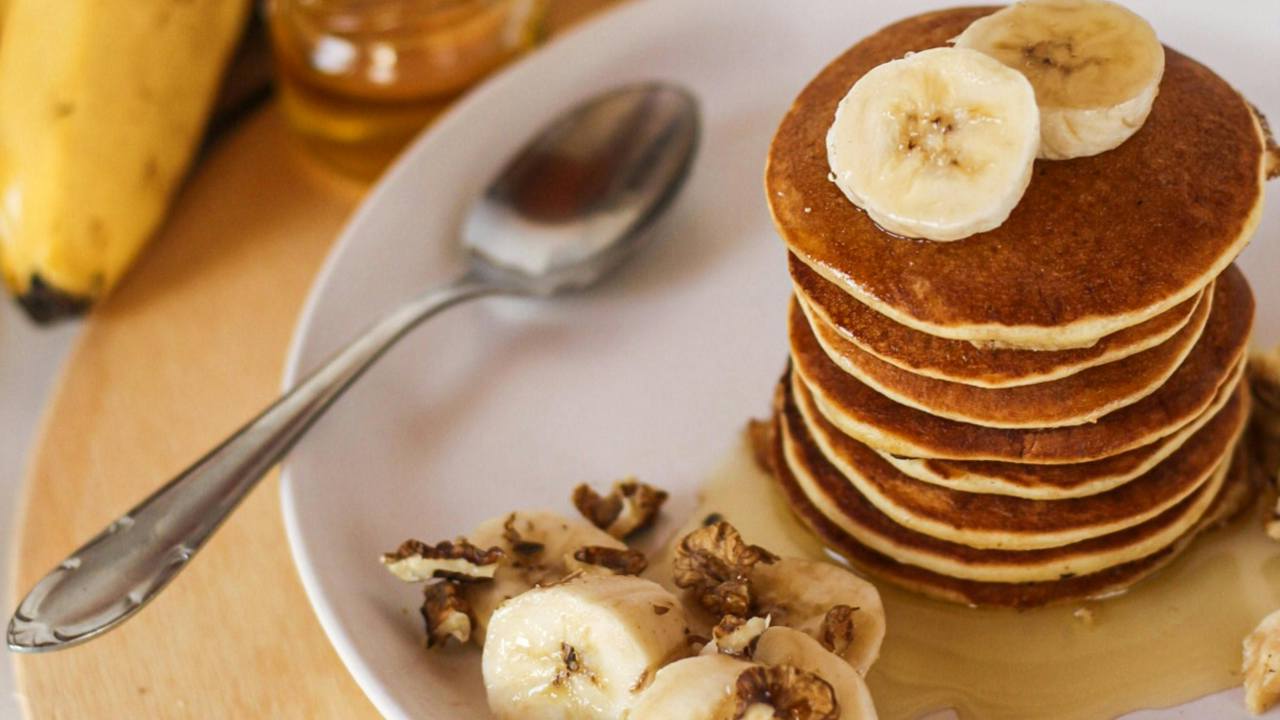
[[940, 144], [102, 105], [570, 630]]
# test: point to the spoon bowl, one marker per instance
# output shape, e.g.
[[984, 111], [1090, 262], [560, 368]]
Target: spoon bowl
[[574, 202]]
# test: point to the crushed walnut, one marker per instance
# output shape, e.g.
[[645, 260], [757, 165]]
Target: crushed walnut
[[630, 507], [737, 637], [616, 560], [416, 561], [791, 693], [446, 612], [836, 632], [714, 562]]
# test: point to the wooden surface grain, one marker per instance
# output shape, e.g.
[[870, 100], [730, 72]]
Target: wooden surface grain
[[184, 351]]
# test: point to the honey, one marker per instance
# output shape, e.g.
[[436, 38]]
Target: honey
[[1171, 639], [360, 78]]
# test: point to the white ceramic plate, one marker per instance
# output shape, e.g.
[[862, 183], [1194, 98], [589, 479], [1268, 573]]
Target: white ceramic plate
[[499, 405]]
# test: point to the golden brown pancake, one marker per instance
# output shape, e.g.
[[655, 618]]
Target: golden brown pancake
[[1073, 400], [963, 362], [839, 501], [1097, 244], [1003, 522], [1239, 489], [1058, 482], [861, 412]]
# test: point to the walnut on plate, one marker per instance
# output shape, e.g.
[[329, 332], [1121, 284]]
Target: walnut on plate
[[617, 561], [714, 562], [446, 612], [737, 637], [415, 561], [631, 506], [783, 691], [836, 633]]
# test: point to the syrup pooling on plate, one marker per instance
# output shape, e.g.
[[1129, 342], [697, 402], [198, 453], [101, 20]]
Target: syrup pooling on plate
[[1169, 640]]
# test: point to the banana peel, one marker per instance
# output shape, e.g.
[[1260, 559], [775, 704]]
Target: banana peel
[[102, 107]]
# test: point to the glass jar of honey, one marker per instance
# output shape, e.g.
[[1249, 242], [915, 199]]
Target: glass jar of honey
[[359, 78]]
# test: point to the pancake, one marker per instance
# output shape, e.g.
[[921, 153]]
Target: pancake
[[963, 362], [1239, 490], [841, 503], [1096, 244], [1002, 522], [1058, 482], [1076, 399], [866, 415]]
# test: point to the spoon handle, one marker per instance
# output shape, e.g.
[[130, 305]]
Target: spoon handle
[[113, 575]]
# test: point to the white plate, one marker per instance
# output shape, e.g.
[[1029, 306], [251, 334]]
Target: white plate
[[499, 405]]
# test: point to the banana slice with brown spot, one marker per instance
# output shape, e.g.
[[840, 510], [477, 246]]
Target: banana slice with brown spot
[[826, 602], [1095, 66]]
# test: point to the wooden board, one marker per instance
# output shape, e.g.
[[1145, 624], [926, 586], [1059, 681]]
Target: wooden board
[[191, 345]]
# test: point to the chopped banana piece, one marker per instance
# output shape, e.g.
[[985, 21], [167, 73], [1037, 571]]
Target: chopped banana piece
[[585, 648], [811, 596], [629, 508], [937, 145], [540, 548], [1095, 66], [415, 561], [1262, 665], [697, 688]]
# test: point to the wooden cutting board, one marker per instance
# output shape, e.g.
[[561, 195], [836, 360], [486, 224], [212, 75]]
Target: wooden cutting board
[[191, 345]]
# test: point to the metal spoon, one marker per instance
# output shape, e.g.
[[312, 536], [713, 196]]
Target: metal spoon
[[568, 209]]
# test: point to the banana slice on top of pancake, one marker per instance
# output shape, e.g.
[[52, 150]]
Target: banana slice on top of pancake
[[1095, 66], [938, 144]]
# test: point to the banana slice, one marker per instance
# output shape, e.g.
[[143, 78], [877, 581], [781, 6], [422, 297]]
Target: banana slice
[[1095, 66], [936, 145], [538, 549], [581, 649], [827, 603], [695, 688], [787, 646], [718, 687], [1261, 665]]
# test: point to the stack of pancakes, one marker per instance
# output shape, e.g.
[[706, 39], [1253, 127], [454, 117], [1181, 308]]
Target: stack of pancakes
[[1046, 411]]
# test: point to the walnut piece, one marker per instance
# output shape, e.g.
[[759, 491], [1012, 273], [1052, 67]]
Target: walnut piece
[[629, 508], [415, 561], [1262, 665], [714, 562], [519, 546], [836, 632], [616, 560], [446, 613], [737, 637], [791, 692]]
